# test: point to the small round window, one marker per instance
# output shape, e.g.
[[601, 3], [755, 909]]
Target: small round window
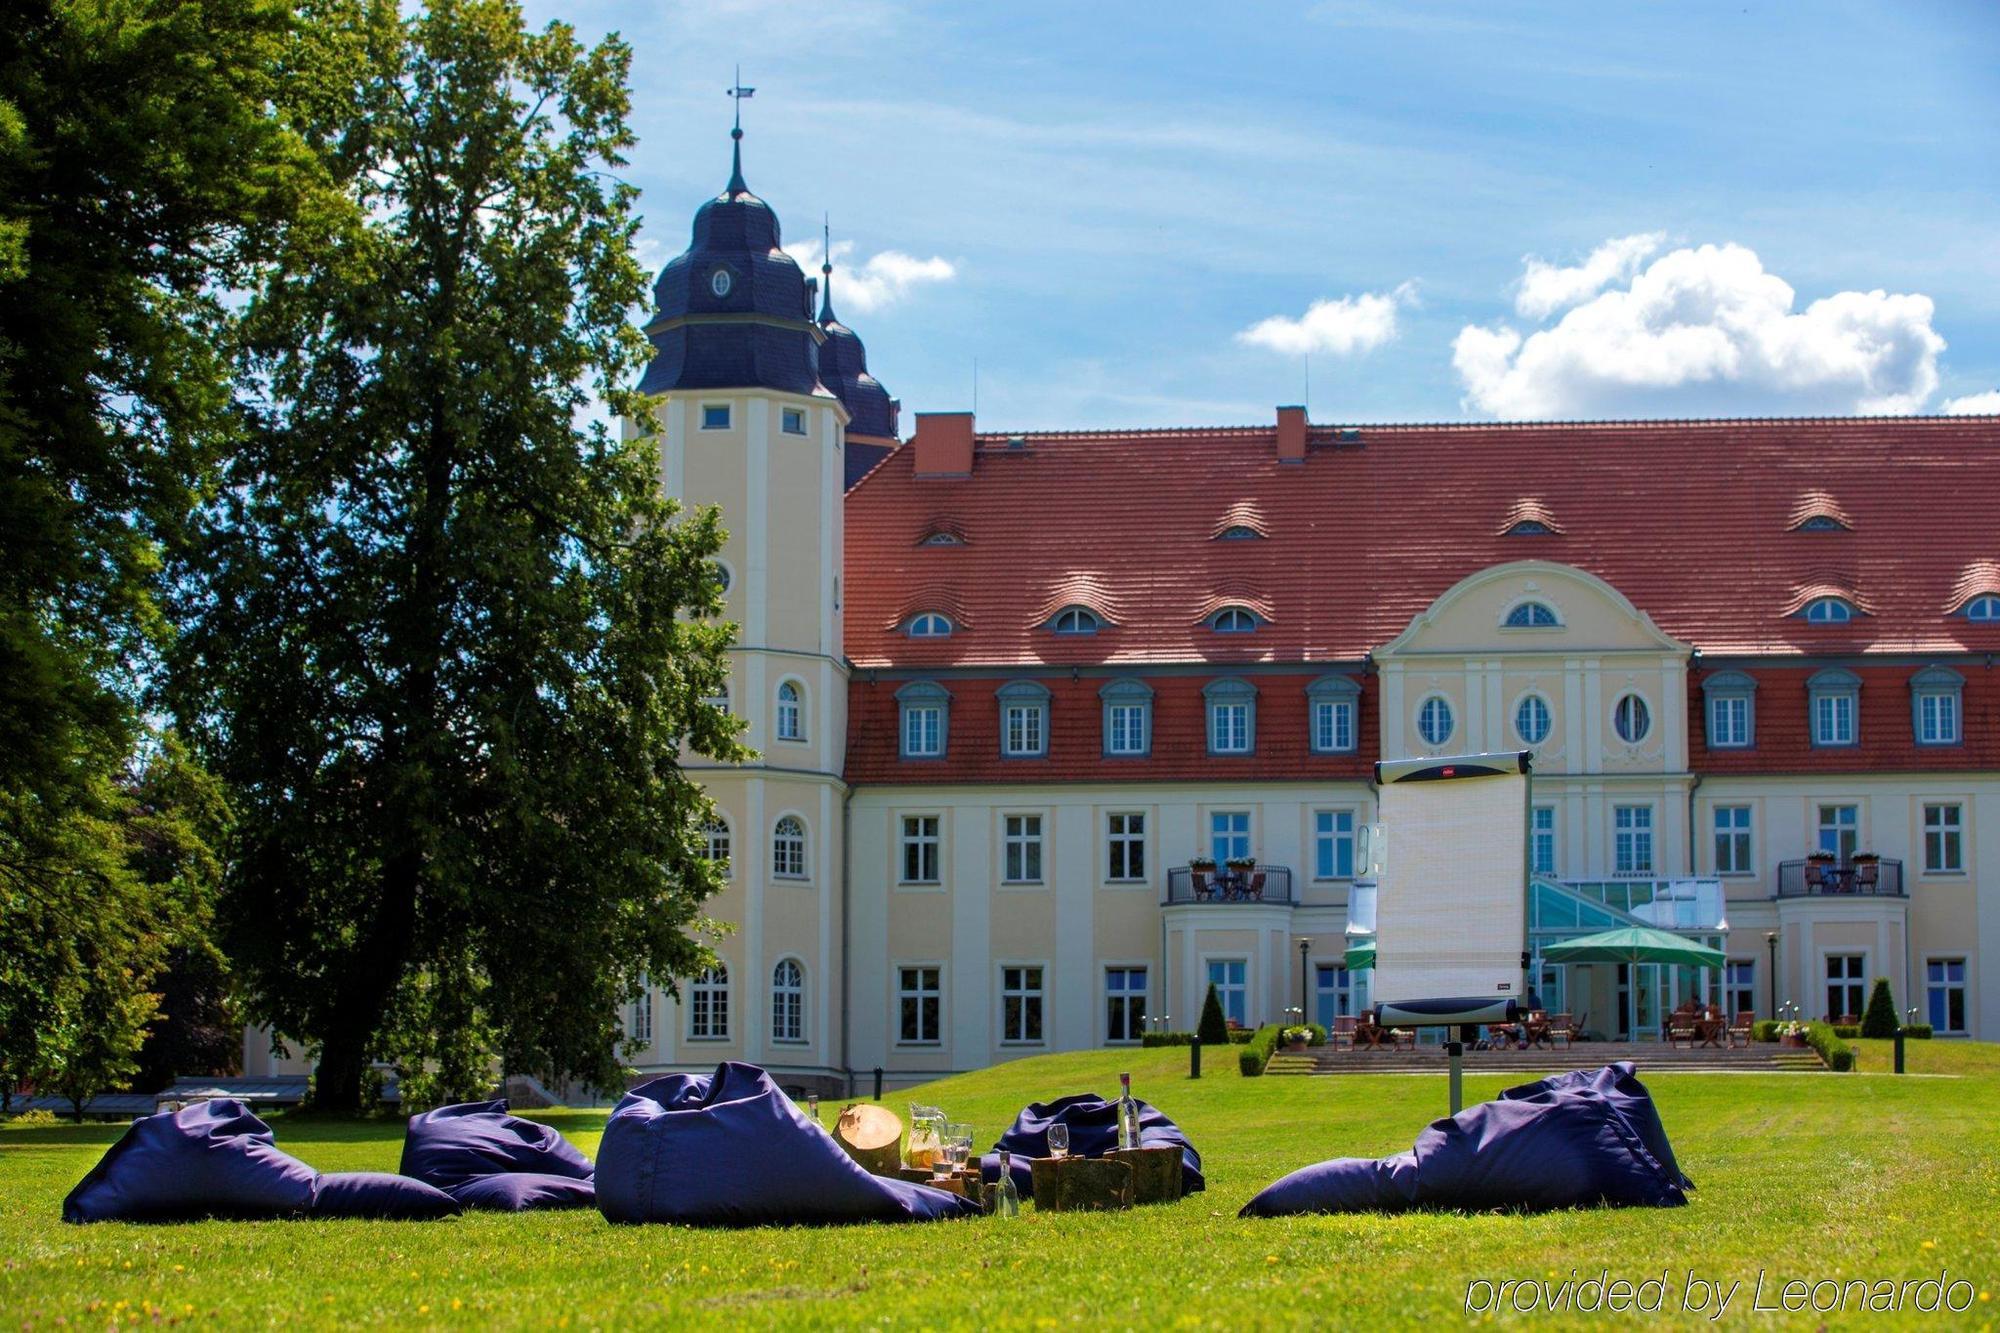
[[1434, 721], [719, 282], [1632, 719]]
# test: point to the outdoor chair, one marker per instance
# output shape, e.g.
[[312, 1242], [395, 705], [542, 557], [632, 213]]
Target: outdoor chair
[[1203, 890], [1257, 887], [1499, 1036], [1680, 1028], [1562, 1030], [1866, 876], [1740, 1029], [1816, 876], [1343, 1032]]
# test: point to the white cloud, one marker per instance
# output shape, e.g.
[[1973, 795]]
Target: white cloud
[[1346, 326], [1546, 288], [882, 279], [1975, 404], [1707, 330]]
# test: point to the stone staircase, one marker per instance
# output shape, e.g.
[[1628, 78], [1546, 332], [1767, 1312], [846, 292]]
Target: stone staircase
[[1650, 1057]]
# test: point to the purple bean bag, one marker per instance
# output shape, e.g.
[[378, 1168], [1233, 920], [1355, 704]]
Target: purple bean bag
[[732, 1150], [486, 1158], [216, 1159], [1619, 1083], [1093, 1132], [1571, 1145]]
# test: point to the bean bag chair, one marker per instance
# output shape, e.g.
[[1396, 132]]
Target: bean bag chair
[[216, 1159], [732, 1150], [1093, 1132], [1573, 1145], [486, 1158], [1619, 1083]]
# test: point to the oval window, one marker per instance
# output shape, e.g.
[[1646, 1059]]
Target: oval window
[[1531, 719], [1632, 719], [1434, 721]]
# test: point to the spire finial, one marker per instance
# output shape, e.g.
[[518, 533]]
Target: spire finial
[[826, 270], [738, 92]]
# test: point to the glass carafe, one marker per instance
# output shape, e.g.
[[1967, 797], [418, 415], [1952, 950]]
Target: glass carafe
[[926, 1146]]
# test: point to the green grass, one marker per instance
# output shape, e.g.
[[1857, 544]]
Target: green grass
[[1801, 1176]]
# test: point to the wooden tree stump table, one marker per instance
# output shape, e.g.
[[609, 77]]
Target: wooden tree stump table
[[1156, 1173], [871, 1135], [1081, 1184]]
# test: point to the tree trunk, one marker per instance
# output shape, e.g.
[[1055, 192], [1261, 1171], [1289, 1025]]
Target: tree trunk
[[1156, 1173], [364, 991], [870, 1133], [1081, 1184]]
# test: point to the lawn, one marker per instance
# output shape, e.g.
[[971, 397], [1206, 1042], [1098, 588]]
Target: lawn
[[1800, 1176]]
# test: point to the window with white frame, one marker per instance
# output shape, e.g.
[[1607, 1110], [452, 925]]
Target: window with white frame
[[1828, 611], [1232, 716], [1731, 697], [1228, 835], [1732, 840], [793, 421], [788, 1001], [1075, 620], [708, 1005], [1021, 999], [1124, 1004], [1944, 851], [1840, 830], [1632, 827], [791, 714], [1935, 697], [1229, 976], [1333, 844], [924, 707], [1021, 849], [1024, 720], [1944, 992], [1532, 615], [1128, 718], [715, 844], [1542, 840], [1233, 620], [1334, 701], [920, 849], [715, 416], [1434, 720], [1984, 609], [1739, 986], [1632, 719], [642, 1014], [929, 625], [1845, 985], [919, 1001], [1532, 719], [1334, 993], [1125, 846], [1834, 696], [788, 848]]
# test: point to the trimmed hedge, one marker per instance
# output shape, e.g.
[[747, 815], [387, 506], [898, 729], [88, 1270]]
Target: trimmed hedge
[[1849, 1031], [1918, 1032], [1837, 1053], [1764, 1029], [1256, 1053], [1238, 1036], [1166, 1038]]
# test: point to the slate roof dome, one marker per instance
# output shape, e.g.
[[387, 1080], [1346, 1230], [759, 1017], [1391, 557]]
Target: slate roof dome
[[733, 311], [843, 369]]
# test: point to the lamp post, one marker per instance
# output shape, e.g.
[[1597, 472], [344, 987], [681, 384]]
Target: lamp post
[[1305, 948], [1771, 940]]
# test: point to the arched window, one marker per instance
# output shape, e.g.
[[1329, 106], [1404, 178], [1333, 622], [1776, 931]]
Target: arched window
[[1531, 719], [1233, 620], [791, 712], [715, 843], [942, 538], [1434, 720], [1822, 523], [1239, 532], [1632, 719], [708, 1005], [1532, 615], [1075, 620], [929, 625], [1985, 610], [1531, 527], [1828, 611], [788, 1001], [788, 848]]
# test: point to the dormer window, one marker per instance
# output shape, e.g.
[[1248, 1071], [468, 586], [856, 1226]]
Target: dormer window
[[1937, 696], [1075, 620], [1233, 620], [929, 625], [1532, 615], [942, 538], [1833, 700], [1822, 523], [1531, 527], [1239, 532], [1983, 610], [1828, 611]]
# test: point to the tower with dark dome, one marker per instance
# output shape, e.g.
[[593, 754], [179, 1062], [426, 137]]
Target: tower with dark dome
[[843, 368]]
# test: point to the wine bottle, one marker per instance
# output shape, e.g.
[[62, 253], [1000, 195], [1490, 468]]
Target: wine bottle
[[1006, 1199], [1128, 1114]]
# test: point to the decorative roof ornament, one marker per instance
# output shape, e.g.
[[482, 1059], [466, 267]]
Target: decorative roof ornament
[[737, 93]]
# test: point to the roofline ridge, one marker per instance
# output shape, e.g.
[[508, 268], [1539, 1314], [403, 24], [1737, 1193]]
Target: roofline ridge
[[1144, 432]]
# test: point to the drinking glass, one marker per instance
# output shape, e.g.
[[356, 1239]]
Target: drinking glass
[[1058, 1141], [959, 1139]]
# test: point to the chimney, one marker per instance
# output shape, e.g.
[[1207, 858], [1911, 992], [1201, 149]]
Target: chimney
[[1291, 435], [944, 444]]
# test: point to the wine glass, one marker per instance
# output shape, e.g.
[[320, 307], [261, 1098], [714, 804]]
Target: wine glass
[[1058, 1141], [959, 1143]]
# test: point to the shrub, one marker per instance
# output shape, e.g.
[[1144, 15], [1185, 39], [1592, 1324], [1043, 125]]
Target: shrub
[[1256, 1053], [1764, 1029], [1918, 1032], [1318, 1037], [1239, 1036], [1847, 1031], [1213, 1027], [1249, 1063], [1166, 1039], [41, 1116], [1837, 1053], [1880, 1020]]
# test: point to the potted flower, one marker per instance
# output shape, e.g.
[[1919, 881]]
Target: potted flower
[[1241, 863], [1201, 863], [1792, 1034], [1867, 858], [1297, 1037]]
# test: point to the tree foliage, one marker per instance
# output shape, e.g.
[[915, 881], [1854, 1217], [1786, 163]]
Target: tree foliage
[[1880, 1020], [1213, 1030], [445, 638]]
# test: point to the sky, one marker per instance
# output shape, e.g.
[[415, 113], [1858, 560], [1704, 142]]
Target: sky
[[1130, 215]]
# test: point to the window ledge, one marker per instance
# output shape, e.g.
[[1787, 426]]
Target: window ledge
[[918, 1045]]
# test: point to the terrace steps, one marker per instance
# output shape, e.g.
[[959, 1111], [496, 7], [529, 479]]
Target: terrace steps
[[1650, 1057]]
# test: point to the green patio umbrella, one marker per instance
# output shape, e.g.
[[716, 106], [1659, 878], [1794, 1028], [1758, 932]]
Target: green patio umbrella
[[1634, 944], [1359, 957]]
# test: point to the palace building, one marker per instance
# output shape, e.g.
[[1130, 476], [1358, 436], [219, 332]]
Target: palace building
[[1004, 688]]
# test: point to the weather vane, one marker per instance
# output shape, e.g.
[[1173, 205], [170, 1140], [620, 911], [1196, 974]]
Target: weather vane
[[739, 92]]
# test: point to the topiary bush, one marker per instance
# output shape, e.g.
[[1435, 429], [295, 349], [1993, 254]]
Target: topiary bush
[[1880, 1020], [1213, 1027], [1847, 1031], [1238, 1036], [1166, 1039], [1250, 1062], [1918, 1032], [1764, 1029]]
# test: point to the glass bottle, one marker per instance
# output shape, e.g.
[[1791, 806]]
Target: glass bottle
[[1128, 1114], [1006, 1199]]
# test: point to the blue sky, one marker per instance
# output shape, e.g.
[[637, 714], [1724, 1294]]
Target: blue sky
[[1136, 215]]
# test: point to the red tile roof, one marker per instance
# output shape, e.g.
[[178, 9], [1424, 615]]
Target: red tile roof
[[1690, 519]]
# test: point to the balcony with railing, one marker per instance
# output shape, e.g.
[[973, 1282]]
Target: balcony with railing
[[1833, 879], [1259, 884]]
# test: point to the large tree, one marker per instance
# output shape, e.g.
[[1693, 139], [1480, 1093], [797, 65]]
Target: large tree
[[144, 174], [449, 639]]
